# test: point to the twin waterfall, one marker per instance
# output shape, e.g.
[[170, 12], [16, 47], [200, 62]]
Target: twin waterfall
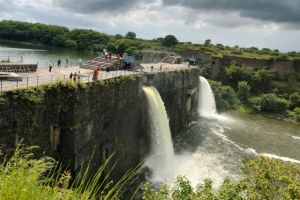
[[206, 100], [162, 157], [162, 151]]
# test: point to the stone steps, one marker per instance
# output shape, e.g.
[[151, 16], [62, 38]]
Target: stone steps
[[102, 63]]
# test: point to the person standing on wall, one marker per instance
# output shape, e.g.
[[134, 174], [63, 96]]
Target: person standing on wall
[[80, 62], [58, 63], [75, 77], [50, 67], [94, 75], [67, 62]]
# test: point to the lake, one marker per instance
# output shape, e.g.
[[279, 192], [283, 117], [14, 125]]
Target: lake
[[42, 55]]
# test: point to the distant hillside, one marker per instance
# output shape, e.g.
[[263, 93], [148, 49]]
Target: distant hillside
[[90, 40]]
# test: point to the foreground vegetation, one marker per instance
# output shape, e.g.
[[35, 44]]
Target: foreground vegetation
[[25, 177], [90, 40]]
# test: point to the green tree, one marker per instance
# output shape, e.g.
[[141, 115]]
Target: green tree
[[131, 35], [71, 44], [170, 41], [207, 42], [118, 36]]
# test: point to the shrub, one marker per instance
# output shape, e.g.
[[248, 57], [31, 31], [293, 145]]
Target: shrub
[[296, 114], [269, 103], [244, 91], [225, 96], [261, 81], [235, 73], [295, 100]]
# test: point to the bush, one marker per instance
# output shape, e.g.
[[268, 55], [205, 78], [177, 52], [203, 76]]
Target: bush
[[270, 103], [296, 114], [225, 96], [235, 73], [295, 100], [262, 79], [244, 92]]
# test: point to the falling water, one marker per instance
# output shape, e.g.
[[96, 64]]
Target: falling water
[[206, 100], [161, 157]]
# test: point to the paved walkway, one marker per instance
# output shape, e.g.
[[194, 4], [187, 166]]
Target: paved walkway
[[43, 76]]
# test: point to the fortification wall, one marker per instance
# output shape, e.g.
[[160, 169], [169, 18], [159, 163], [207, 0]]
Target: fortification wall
[[282, 66]]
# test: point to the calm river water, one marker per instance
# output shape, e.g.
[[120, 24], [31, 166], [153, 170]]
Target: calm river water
[[41, 55]]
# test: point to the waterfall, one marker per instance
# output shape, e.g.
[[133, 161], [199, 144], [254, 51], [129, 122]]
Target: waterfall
[[206, 100], [161, 156]]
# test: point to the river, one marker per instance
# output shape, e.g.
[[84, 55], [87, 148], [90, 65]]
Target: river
[[42, 55], [213, 148]]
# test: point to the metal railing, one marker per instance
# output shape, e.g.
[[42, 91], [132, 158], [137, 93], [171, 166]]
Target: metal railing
[[33, 81], [72, 63], [11, 59]]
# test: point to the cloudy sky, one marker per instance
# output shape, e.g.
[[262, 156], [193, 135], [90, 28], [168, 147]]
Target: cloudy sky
[[262, 23]]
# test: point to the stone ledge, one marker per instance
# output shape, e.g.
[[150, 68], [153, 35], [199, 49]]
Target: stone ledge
[[10, 77]]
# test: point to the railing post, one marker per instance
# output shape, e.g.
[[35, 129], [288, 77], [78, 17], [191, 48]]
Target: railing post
[[37, 80], [1, 85], [27, 81], [17, 84]]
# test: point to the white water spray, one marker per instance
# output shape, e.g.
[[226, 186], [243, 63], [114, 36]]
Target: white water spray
[[161, 158]]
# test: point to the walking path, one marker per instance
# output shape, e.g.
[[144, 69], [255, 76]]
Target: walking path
[[43, 76]]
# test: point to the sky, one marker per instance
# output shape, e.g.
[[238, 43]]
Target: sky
[[271, 24]]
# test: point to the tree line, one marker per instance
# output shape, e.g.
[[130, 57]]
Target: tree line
[[80, 39]]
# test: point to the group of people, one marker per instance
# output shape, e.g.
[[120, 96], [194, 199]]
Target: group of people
[[108, 55], [59, 63], [66, 62], [75, 76]]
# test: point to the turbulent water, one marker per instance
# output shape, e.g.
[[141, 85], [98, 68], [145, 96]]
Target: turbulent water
[[213, 145]]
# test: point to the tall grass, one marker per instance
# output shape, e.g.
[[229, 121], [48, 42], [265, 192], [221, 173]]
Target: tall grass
[[24, 177]]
